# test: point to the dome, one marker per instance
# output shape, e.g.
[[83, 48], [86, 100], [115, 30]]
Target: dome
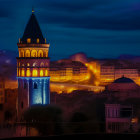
[[124, 80], [123, 84]]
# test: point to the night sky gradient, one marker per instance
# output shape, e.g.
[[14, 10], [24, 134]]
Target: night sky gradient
[[100, 28]]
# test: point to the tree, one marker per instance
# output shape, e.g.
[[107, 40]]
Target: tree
[[46, 119]]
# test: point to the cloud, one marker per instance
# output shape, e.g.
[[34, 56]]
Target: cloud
[[92, 14]]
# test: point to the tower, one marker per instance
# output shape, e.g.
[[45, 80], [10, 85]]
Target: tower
[[32, 67]]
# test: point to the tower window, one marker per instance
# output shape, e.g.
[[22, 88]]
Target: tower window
[[28, 40], [35, 85], [37, 40], [25, 85]]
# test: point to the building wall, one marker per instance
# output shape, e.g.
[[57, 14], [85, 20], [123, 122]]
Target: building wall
[[110, 73], [32, 91], [115, 122]]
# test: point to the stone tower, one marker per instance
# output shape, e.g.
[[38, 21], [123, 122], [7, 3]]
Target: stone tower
[[32, 67]]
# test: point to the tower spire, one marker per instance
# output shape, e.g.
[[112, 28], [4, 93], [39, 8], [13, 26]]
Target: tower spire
[[33, 10]]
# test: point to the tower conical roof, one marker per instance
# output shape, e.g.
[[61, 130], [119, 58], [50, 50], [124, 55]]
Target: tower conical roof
[[33, 31]]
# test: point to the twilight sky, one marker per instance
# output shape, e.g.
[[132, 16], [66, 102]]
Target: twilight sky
[[100, 28]]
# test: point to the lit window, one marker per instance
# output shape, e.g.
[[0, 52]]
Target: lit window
[[34, 64], [34, 53], [37, 40], [28, 64], [28, 72], [35, 85], [35, 73], [28, 40], [46, 72], [18, 72], [27, 53], [40, 53], [22, 72], [41, 72], [42, 64]]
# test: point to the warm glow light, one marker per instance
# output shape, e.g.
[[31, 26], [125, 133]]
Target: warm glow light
[[28, 40], [28, 72], [134, 120], [27, 53], [34, 53], [18, 72], [37, 40], [97, 83], [35, 73], [22, 72], [41, 72], [46, 72]]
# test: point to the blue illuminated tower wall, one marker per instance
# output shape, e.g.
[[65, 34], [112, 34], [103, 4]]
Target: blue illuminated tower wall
[[32, 68]]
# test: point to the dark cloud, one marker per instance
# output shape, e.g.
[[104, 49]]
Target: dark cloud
[[100, 28], [96, 14]]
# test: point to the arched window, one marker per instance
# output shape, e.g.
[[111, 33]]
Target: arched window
[[21, 53], [42, 64], [35, 85], [35, 73], [22, 72], [40, 53], [28, 64], [34, 53], [27, 53], [41, 73], [28, 72], [28, 40], [25, 85], [46, 72], [37, 40], [34, 64]]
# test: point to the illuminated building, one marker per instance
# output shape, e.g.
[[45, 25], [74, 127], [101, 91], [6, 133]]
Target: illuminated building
[[68, 71], [111, 72], [118, 118], [32, 67]]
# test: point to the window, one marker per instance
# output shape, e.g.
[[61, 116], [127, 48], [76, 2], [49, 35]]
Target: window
[[40, 53], [28, 40], [42, 64], [25, 85], [34, 53], [41, 72], [37, 40], [35, 85], [35, 73], [28, 72], [22, 72], [27, 53]]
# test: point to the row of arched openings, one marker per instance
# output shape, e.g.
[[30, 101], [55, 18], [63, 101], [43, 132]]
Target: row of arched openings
[[34, 64], [33, 53]]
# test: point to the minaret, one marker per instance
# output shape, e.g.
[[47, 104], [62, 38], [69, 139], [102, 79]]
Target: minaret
[[32, 67]]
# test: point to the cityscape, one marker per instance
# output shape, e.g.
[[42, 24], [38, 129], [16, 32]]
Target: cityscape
[[53, 92]]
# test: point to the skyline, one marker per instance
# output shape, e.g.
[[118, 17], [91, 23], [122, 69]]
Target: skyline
[[99, 28]]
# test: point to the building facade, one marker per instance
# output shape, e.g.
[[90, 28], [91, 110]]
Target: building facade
[[32, 67], [118, 118]]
